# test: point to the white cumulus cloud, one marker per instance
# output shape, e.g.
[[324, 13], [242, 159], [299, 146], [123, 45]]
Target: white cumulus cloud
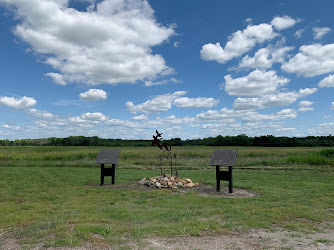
[[156, 104], [305, 106], [312, 60], [327, 82], [239, 43], [265, 57], [121, 123], [323, 129], [97, 116], [17, 103], [88, 118], [40, 113], [299, 33], [10, 127], [286, 130], [272, 100], [57, 78], [257, 83], [106, 44], [93, 95], [140, 118], [284, 22], [176, 120], [245, 115], [199, 102], [319, 32], [248, 20], [281, 115], [304, 109], [305, 103], [149, 83]]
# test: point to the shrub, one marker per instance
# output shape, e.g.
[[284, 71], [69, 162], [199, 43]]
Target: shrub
[[328, 153]]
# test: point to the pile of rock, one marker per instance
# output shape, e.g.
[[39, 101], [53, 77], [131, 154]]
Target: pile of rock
[[167, 181]]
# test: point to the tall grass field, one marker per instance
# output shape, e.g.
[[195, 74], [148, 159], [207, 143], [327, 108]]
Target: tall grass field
[[50, 196]]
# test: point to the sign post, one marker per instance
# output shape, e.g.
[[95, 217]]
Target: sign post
[[108, 156], [224, 157]]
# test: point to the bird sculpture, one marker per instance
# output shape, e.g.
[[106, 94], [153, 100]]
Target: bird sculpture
[[156, 141], [158, 134], [165, 145]]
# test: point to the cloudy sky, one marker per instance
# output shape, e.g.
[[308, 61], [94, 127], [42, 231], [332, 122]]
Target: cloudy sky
[[191, 69]]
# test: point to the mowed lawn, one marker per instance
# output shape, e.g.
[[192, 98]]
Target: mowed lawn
[[50, 196]]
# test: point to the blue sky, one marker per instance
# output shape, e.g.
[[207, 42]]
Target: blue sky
[[191, 69]]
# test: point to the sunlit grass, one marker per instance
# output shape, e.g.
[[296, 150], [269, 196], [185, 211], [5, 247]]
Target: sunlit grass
[[186, 157], [50, 195]]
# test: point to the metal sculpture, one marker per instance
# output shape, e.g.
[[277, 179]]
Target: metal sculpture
[[168, 148]]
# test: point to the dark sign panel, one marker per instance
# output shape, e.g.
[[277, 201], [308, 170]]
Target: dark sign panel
[[108, 156], [223, 157]]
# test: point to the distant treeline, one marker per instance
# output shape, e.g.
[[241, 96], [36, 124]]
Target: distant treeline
[[240, 140]]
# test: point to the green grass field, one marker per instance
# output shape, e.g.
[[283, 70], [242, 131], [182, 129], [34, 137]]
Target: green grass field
[[49, 196]]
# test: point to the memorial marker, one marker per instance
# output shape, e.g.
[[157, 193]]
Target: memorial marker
[[226, 158], [108, 156]]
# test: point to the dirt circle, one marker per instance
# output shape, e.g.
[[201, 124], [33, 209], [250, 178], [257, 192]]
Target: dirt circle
[[207, 190], [202, 189]]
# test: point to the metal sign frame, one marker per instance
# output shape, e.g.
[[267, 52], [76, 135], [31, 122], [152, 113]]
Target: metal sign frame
[[108, 156], [224, 157]]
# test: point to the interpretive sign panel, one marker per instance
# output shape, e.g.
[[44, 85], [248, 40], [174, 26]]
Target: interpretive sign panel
[[223, 157], [108, 156], [226, 158]]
